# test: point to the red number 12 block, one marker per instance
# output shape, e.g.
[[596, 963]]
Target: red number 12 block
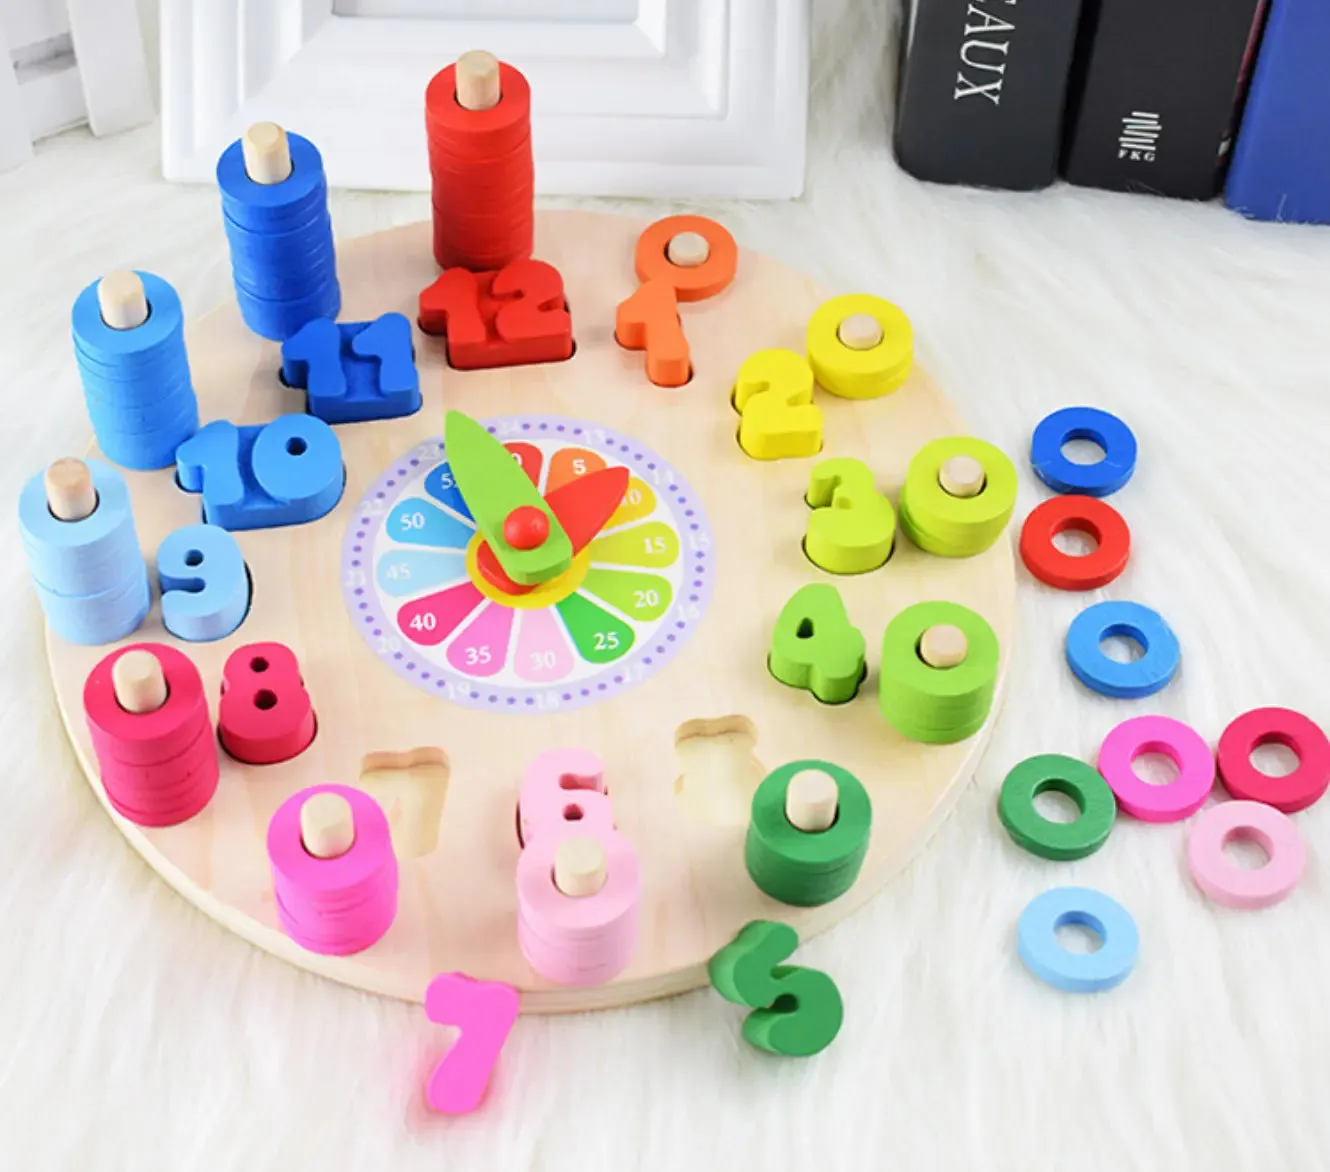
[[512, 317]]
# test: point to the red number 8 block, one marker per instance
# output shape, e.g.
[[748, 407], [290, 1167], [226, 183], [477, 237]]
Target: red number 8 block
[[578, 880]]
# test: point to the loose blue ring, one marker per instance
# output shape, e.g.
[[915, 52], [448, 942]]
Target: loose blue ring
[[1092, 972], [1085, 423], [1145, 676]]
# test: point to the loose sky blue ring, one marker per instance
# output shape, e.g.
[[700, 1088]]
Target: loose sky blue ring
[[1092, 972], [258, 204], [1096, 671], [1089, 423], [164, 327]]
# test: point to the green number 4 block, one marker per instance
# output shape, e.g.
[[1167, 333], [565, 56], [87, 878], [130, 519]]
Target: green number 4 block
[[815, 646]]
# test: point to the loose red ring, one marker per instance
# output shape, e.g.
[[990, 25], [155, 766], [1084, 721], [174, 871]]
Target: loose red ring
[[1066, 571], [1275, 726]]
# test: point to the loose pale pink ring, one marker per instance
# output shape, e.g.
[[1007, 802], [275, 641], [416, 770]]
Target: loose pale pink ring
[[1235, 886]]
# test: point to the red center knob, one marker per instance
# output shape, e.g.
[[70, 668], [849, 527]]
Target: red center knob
[[526, 527]]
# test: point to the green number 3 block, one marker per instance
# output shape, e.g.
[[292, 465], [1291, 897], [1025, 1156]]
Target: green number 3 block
[[852, 527], [796, 1011], [815, 646]]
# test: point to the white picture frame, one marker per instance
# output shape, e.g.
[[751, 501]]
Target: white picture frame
[[694, 98], [68, 62]]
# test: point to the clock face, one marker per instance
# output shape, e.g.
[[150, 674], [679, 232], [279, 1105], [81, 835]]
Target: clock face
[[619, 614], [435, 690]]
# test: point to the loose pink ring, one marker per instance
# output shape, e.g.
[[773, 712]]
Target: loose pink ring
[[1235, 886], [1275, 726], [1182, 744]]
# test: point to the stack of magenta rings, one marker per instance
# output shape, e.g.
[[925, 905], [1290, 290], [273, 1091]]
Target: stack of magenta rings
[[136, 381], [281, 242], [335, 906]]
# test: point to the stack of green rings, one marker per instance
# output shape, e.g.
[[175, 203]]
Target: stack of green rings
[[931, 704], [801, 868], [1057, 840], [956, 527]]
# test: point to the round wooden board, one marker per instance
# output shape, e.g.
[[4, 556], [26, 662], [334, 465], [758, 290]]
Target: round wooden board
[[682, 802]]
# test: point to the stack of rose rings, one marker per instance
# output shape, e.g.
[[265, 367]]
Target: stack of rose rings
[[1260, 813]]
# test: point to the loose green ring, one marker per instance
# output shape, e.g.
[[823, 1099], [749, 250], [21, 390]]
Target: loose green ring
[[1065, 775]]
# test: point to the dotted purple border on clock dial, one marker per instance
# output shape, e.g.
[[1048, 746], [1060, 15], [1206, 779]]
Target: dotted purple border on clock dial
[[697, 573]]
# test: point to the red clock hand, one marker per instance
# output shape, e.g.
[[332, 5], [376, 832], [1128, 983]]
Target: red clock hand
[[582, 507]]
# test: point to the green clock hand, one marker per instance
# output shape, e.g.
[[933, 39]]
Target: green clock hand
[[494, 487]]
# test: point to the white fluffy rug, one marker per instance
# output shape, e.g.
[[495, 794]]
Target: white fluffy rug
[[136, 1034]]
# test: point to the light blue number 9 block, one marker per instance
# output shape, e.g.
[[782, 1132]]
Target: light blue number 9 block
[[205, 584]]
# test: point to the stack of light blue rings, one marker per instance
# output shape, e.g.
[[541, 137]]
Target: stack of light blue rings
[[282, 258], [136, 382], [89, 575]]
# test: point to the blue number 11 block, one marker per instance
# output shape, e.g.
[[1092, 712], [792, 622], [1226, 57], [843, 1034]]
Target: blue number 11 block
[[354, 371], [286, 472]]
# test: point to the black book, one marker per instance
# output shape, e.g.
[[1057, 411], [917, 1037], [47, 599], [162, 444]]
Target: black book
[[982, 89], [1156, 93]]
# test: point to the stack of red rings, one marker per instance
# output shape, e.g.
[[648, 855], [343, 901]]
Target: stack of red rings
[[158, 768], [482, 174], [1084, 514]]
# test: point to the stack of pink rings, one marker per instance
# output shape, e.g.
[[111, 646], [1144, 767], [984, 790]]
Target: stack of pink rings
[[341, 905]]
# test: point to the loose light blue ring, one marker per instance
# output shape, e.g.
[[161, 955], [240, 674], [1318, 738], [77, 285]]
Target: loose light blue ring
[[1093, 972]]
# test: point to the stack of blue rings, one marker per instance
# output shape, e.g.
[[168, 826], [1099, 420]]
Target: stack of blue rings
[[89, 575], [282, 257], [136, 382]]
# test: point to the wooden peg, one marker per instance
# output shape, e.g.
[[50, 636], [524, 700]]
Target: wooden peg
[[811, 801], [860, 331], [123, 302], [139, 682], [962, 476], [943, 646], [579, 866], [688, 250], [267, 153], [478, 80], [327, 825], [70, 494]]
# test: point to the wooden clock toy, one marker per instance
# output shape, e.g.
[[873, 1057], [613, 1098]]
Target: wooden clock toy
[[539, 599]]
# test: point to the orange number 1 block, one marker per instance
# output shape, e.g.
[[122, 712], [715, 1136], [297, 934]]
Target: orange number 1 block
[[649, 320], [679, 258]]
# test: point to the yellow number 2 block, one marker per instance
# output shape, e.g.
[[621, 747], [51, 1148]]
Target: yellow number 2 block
[[773, 394], [860, 346], [852, 526]]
